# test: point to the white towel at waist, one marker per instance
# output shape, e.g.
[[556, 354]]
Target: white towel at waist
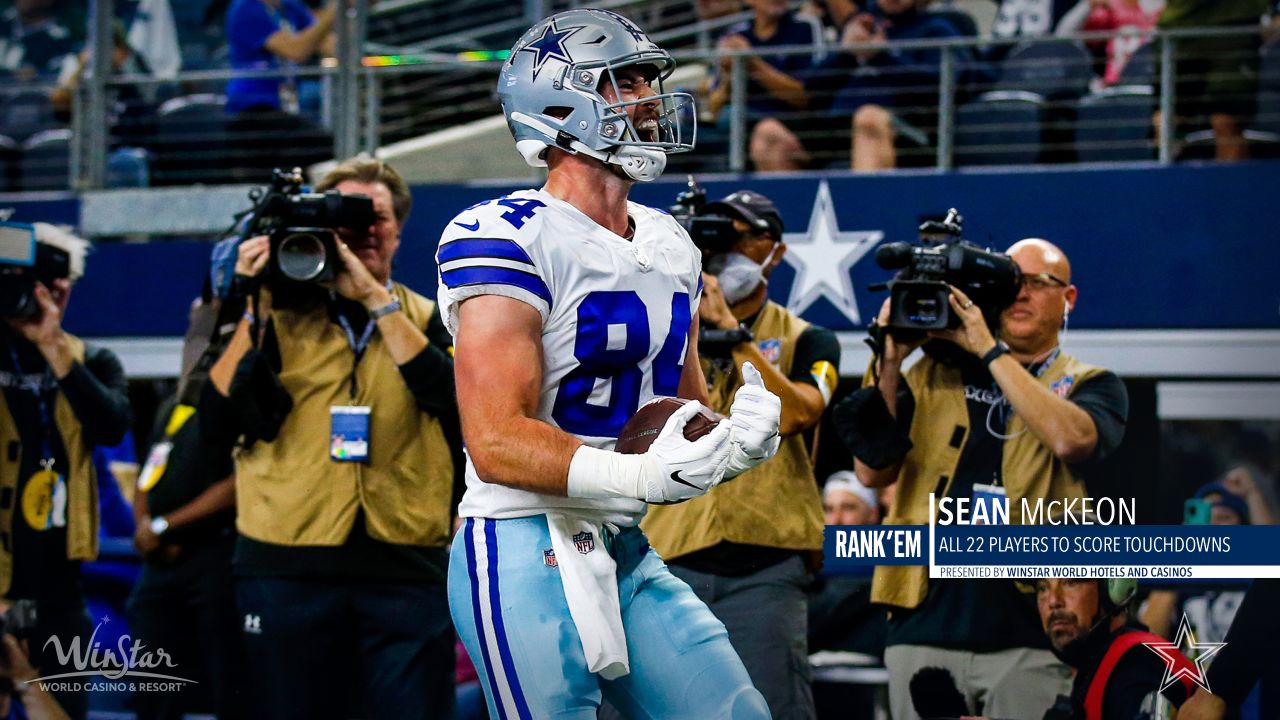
[[590, 579]]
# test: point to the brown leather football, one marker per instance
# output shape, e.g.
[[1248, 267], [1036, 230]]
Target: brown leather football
[[643, 427]]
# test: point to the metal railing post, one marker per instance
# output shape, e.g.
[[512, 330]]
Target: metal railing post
[[346, 126], [93, 166], [946, 109], [372, 110], [1167, 97], [535, 10], [738, 115]]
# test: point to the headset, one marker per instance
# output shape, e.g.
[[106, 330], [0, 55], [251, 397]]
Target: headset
[[1117, 594]]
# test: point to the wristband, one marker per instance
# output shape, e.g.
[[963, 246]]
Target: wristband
[[995, 352], [385, 310], [596, 474]]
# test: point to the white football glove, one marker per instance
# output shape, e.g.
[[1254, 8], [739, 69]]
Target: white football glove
[[673, 470], [755, 414]]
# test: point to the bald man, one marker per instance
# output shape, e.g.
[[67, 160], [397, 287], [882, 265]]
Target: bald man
[[1013, 417]]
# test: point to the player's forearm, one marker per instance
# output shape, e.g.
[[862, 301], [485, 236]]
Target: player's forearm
[[1064, 427], [538, 461]]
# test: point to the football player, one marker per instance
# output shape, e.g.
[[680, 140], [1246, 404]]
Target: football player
[[571, 307]]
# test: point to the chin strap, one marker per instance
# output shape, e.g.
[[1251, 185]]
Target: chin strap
[[640, 163]]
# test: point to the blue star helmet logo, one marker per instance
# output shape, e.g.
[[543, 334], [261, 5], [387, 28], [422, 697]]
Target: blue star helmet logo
[[550, 46]]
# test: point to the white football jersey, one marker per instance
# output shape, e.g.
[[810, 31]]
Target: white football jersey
[[615, 320]]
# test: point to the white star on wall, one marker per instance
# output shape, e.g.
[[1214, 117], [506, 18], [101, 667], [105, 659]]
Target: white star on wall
[[822, 257]]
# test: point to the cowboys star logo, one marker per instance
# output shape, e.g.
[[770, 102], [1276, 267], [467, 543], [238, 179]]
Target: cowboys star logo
[[1175, 669]]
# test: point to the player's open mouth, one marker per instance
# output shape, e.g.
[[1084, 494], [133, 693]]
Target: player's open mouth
[[648, 130]]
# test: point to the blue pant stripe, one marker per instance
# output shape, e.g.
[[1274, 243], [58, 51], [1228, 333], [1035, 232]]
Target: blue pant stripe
[[479, 620], [495, 600]]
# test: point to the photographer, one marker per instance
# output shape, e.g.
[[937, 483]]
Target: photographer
[[744, 546], [184, 511], [344, 476], [60, 399], [980, 419]]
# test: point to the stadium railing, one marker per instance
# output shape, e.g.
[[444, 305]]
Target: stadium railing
[[1042, 104]]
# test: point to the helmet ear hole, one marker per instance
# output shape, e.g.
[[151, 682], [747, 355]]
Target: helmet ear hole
[[559, 112]]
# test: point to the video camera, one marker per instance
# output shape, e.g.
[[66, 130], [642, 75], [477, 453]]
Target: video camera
[[301, 226], [919, 292], [710, 233], [23, 263]]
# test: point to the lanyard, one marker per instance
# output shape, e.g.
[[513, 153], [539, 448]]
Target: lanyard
[[46, 452], [1005, 409], [357, 346]]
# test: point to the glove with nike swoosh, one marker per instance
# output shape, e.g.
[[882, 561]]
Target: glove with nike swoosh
[[671, 471], [755, 415]]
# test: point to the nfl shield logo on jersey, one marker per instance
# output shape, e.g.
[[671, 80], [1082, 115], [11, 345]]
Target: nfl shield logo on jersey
[[549, 558], [585, 542], [771, 350]]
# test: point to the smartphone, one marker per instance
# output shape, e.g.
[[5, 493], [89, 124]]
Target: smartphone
[[1197, 512]]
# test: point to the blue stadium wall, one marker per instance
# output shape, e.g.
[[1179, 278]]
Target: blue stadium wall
[[1154, 248]]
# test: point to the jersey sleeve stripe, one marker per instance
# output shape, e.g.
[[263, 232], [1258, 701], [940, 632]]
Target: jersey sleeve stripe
[[483, 247], [496, 276]]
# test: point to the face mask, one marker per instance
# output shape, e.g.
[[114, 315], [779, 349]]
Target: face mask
[[738, 274]]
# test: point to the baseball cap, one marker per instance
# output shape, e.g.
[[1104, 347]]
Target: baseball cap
[[750, 207], [1226, 499]]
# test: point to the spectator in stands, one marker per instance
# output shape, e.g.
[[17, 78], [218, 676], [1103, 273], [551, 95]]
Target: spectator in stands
[[270, 35], [20, 697], [60, 399], [185, 515], [846, 501], [712, 9], [1016, 418], [1217, 76], [1090, 628], [884, 93], [1026, 19], [775, 83], [343, 475], [1111, 16], [33, 44], [1235, 500]]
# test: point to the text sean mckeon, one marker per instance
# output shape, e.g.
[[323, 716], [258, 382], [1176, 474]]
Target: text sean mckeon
[[1037, 511]]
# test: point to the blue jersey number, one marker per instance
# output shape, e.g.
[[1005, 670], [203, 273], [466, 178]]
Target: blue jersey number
[[625, 312]]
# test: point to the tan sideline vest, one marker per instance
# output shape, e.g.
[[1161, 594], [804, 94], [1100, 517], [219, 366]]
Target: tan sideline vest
[[775, 504], [1029, 468], [289, 492], [82, 481]]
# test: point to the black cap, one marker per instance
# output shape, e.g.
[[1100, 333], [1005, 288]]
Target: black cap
[[750, 207]]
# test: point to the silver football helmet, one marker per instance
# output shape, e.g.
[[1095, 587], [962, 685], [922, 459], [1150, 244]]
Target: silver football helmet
[[550, 92]]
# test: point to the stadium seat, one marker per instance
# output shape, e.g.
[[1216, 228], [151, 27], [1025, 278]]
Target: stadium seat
[[1200, 145], [1001, 127], [25, 112], [10, 155], [46, 161], [1114, 124], [128, 167], [191, 140], [264, 139], [1054, 70], [1142, 67]]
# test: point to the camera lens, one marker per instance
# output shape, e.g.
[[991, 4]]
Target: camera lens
[[302, 257], [924, 310]]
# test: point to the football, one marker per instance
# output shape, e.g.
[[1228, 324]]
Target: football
[[643, 427]]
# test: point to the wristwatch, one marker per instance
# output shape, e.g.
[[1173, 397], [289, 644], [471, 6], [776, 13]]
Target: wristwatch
[[1000, 349], [159, 525], [385, 310]]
